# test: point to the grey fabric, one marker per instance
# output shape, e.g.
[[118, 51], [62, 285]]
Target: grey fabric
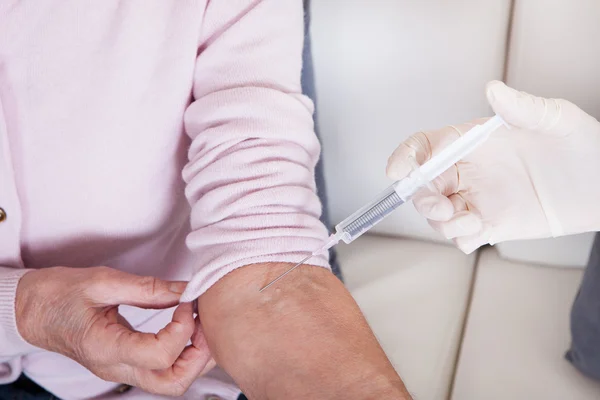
[[308, 87], [584, 353], [24, 389]]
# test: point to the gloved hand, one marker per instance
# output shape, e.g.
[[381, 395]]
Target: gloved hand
[[538, 179]]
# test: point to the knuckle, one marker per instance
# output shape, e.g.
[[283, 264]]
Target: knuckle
[[397, 163], [421, 206], [442, 184], [565, 107], [87, 352], [569, 107], [149, 286], [162, 362], [99, 276], [178, 388], [162, 357], [166, 357], [175, 388], [417, 143], [85, 356], [97, 286], [102, 272], [105, 374]]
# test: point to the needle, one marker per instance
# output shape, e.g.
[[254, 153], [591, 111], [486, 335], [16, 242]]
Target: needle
[[286, 272]]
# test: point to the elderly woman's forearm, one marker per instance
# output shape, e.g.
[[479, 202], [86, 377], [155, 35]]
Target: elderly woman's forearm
[[305, 338]]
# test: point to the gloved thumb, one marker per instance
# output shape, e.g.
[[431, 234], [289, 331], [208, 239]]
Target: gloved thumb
[[420, 147], [524, 110], [415, 150]]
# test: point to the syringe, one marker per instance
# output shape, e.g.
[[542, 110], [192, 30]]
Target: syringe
[[401, 191]]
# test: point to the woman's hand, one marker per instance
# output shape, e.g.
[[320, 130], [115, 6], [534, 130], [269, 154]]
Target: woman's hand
[[74, 312], [535, 180]]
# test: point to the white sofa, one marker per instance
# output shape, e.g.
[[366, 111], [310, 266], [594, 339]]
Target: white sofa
[[492, 325]]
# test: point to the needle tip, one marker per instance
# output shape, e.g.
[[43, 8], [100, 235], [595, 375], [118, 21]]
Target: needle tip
[[285, 273]]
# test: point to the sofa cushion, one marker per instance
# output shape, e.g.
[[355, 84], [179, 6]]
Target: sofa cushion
[[414, 295], [517, 333], [567, 251]]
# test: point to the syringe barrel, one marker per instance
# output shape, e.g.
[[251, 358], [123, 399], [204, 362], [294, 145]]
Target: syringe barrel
[[400, 192], [371, 214]]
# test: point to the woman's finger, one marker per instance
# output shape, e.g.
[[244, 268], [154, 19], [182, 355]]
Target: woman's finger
[[148, 350], [114, 287], [175, 380]]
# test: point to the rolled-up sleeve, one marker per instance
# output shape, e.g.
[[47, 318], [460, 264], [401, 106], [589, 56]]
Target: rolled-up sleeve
[[11, 342], [250, 176]]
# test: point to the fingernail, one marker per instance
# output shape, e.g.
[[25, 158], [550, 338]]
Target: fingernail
[[177, 287]]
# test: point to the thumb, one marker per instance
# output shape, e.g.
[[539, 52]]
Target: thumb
[[114, 287], [421, 146], [526, 111], [416, 149]]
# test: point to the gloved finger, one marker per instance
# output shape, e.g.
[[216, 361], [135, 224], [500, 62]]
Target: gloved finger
[[447, 182], [526, 111], [464, 223], [468, 244], [421, 147], [458, 202], [442, 204], [416, 147], [435, 207]]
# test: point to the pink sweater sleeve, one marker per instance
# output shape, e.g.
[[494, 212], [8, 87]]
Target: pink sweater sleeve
[[250, 176], [11, 342]]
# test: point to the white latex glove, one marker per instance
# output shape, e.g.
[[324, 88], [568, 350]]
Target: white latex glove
[[538, 179]]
